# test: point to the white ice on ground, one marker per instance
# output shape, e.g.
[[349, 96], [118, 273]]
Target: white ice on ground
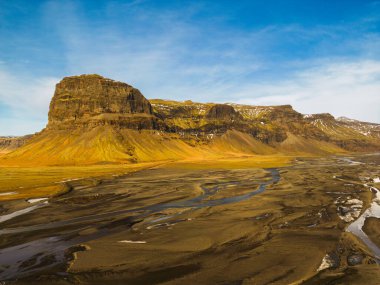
[[7, 193], [68, 180], [327, 262], [376, 180], [354, 202], [36, 200], [356, 227], [21, 212], [132, 241], [351, 209]]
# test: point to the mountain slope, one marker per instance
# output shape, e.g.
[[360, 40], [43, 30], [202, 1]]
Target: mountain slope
[[348, 134], [93, 120]]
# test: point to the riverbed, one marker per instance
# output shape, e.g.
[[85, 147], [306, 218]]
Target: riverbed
[[183, 226]]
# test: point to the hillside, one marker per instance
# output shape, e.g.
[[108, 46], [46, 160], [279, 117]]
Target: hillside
[[8, 144], [95, 120]]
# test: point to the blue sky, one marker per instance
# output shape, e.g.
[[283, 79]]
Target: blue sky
[[319, 56]]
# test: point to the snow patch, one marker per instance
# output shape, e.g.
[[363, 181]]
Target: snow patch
[[327, 262], [132, 241], [349, 209], [7, 193], [36, 200]]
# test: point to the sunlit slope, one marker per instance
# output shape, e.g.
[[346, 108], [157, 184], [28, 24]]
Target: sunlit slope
[[348, 134], [107, 145], [297, 145], [237, 143], [100, 145], [76, 147]]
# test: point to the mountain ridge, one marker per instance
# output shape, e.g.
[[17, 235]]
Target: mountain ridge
[[93, 119]]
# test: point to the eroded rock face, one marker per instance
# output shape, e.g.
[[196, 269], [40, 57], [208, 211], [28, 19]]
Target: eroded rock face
[[223, 112], [321, 116], [89, 100], [8, 144]]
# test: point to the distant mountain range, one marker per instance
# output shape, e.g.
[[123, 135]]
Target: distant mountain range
[[93, 119]]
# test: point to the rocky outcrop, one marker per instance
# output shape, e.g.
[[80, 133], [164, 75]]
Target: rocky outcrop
[[7, 144], [92, 100], [223, 112], [320, 116]]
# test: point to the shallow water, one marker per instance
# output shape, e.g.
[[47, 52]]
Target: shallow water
[[54, 248], [356, 227], [15, 214]]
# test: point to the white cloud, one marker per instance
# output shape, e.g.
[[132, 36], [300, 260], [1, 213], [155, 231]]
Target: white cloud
[[341, 88], [25, 103], [167, 55], [19, 126], [30, 95]]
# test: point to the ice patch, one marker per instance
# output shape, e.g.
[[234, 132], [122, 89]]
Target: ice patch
[[7, 193], [376, 180], [36, 200], [357, 226], [327, 262], [132, 241], [21, 212], [349, 209]]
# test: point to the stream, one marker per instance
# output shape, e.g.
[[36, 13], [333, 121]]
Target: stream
[[356, 227], [53, 252]]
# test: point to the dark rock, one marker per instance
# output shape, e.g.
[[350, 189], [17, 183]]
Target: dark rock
[[355, 259], [90, 100], [223, 112]]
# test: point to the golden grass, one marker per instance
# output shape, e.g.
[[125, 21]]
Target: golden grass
[[297, 145], [262, 161], [30, 182]]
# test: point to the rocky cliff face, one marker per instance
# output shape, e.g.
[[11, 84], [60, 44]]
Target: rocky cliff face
[[7, 144], [91, 100], [223, 112]]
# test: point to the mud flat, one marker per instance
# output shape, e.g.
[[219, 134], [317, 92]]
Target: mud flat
[[198, 225]]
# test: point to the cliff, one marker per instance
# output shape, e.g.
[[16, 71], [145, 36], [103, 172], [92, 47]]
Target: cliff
[[8, 144], [92, 100]]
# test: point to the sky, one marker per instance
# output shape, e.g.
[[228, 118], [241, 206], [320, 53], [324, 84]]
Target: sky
[[319, 56]]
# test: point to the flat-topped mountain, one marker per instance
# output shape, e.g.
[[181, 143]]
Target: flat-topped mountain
[[93, 119], [91, 100]]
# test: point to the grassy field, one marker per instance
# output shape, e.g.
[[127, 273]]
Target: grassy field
[[28, 182], [260, 161], [193, 222]]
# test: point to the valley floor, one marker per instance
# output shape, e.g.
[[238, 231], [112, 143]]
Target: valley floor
[[232, 221]]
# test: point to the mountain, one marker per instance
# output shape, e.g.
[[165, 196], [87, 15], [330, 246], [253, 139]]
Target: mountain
[[93, 119], [8, 144], [349, 134]]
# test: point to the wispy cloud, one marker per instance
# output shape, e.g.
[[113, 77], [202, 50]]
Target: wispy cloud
[[175, 54], [341, 88], [26, 101]]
